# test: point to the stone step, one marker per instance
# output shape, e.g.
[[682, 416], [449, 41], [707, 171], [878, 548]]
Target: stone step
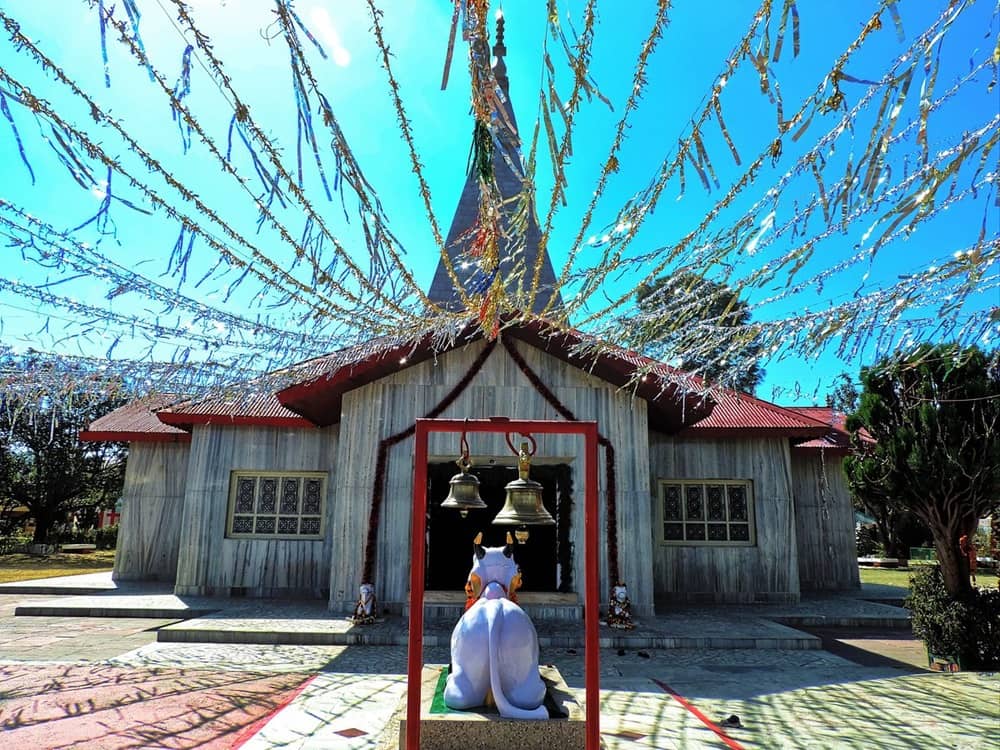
[[539, 605], [392, 631]]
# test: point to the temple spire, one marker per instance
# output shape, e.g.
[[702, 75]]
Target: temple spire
[[499, 51], [522, 240]]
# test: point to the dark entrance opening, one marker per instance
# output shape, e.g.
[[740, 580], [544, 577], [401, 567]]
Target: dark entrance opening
[[545, 560]]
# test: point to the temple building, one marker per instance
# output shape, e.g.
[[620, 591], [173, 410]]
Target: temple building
[[306, 491]]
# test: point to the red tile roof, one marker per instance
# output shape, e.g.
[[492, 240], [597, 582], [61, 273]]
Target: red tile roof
[[677, 402], [136, 421], [738, 414], [254, 408], [837, 438], [670, 403]]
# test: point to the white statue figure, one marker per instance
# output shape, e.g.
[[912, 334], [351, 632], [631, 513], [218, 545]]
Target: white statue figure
[[620, 608], [364, 610], [494, 647]]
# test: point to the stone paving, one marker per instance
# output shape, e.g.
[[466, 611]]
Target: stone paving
[[108, 683], [224, 620]]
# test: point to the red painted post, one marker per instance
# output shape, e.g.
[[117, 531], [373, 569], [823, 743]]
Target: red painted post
[[592, 583], [418, 541]]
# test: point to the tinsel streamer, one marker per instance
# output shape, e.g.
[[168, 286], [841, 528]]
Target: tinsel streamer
[[88, 315], [305, 130], [590, 87], [102, 18], [65, 153], [916, 184], [558, 153], [611, 164], [181, 89], [684, 152], [37, 374], [382, 459], [813, 156], [270, 185], [481, 156], [181, 254], [298, 22], [39, 106], [808, 105], [380, 300], [374, 224], [103, 215], [97, 152], [779, 42], [417, 167], [450, 51], [134, 16], [489, 310], [65, 252], [609, 455], [17, 136]]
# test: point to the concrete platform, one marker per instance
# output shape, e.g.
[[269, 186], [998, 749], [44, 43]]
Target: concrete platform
[[161, 606], [87, 583], [296, 622], [311, 624], [443, 729]]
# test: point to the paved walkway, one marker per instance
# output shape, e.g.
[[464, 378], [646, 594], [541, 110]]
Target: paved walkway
[[225, 620], [79, 682]]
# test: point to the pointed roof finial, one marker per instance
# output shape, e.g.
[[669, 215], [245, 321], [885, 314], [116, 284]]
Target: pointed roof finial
[[499, 50]]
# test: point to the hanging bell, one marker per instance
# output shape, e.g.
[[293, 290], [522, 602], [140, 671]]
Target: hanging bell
[[463, 490], [524, 506]]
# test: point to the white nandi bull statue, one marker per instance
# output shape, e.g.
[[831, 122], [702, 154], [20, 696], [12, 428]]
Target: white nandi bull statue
[[494, 647]]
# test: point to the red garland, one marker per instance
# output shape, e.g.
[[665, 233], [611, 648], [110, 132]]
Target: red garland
[[609, 456], [385, 444]]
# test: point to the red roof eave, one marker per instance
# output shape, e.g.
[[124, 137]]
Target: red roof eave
[[801, 433], [109, 436], [321, 397], [188, 420]]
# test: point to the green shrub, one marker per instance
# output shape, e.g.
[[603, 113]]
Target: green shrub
[[966, 629], [13, 543]]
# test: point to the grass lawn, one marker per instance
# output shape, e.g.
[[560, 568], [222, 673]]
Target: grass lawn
[[20, 567], [897, 577]]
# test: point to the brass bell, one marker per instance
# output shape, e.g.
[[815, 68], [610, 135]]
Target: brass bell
[[524, 506], [463, 490]]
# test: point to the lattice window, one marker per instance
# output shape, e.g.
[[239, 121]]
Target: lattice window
[[276, 505], [707, 511]]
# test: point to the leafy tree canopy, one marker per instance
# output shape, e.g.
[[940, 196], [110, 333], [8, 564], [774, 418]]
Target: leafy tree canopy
[[46, 467], [709, 305], [935, 414]]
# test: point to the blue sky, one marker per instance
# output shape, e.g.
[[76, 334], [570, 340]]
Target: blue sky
[[682, 71]]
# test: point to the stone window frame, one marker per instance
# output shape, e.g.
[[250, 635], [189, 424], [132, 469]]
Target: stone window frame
[[685, 519], [257, 475]]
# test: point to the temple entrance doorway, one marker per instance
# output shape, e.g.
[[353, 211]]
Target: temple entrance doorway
[[545, 560]]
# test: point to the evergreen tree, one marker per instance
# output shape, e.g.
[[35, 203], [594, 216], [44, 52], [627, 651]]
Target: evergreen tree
[[935, 414], [671, 310]]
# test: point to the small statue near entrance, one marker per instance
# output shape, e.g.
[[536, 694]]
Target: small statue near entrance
[[620, 608], [494, 647], [366, 609]]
